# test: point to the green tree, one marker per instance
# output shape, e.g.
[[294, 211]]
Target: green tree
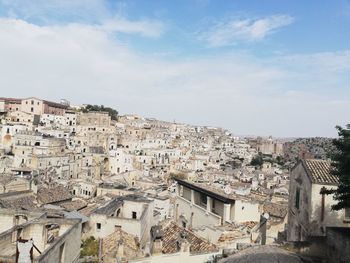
[[89, 247], [112, 112], [257, 160], [341, 168]]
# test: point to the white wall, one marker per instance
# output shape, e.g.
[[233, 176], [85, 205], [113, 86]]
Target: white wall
[[245, 211], [200, 215], [331, 218]]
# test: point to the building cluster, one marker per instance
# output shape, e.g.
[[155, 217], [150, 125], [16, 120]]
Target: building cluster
[[308, 148], [145, 190]]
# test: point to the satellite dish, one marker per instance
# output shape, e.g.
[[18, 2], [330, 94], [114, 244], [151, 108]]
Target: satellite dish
[[227, 190], [266, 215]]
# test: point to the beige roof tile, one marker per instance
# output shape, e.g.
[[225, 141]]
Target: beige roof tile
[[320, 171], [171, 236]]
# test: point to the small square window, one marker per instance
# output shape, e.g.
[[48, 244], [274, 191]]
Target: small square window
[[347, 214], [98, 226]]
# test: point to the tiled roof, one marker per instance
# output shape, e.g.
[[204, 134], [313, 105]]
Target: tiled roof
[[74, 205], [110, 207], [111, 243], [11, 99], [319, 171], [76, 215], [228, 237], [235, 231], [18, 202], [275, 210], [172, 236], [53, 195], [87, 211]]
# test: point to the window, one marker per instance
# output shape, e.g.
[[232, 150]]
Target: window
[[98, 226], [32, 102], [134, 215], [203, 199], [297, 198], [32, 109], [347, 214]]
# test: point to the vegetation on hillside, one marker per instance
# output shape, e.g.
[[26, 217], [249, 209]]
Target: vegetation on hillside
[[89, 247], [112, 112], [257, 160]]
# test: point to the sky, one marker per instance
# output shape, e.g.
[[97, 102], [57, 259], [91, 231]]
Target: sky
[[264, 67]]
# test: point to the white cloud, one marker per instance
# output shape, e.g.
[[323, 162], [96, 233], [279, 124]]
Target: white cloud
[[88, 12], [230, 32], [338, 61], [236, 91], [147, 28]]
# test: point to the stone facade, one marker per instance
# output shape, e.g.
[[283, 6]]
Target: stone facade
[[310, 211], [94, 119]]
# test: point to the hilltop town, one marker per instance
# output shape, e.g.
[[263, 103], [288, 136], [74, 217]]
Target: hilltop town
[[84, 184]]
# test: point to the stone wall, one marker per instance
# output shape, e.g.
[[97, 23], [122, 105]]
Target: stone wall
[[338, 244]]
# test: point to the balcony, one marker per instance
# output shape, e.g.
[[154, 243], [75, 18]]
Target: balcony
[[200, 215]]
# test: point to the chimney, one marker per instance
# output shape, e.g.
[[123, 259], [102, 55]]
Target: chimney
[[121, 249], [191, 221], [157, 246], [177, 213], [185, 246], [263, 223]]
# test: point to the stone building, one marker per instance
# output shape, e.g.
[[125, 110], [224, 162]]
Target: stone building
[[200, 205], [309, 208], [38, 106], [52, 240], [133, 213], [28, 145], [10, 104], [22, 117], [94, 118], [10, 183], [8, 132]]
